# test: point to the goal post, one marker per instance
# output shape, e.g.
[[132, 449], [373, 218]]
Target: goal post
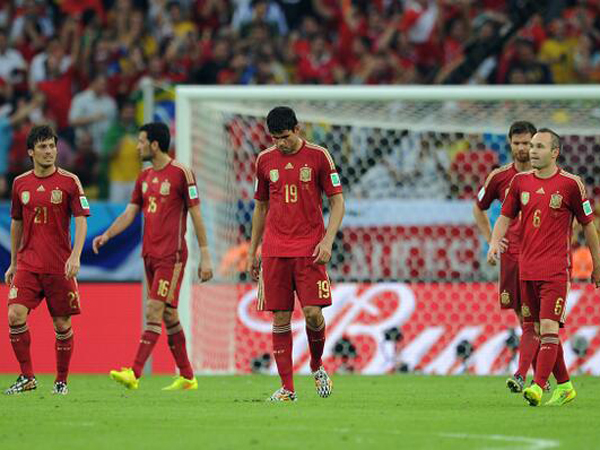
[[411, 160]]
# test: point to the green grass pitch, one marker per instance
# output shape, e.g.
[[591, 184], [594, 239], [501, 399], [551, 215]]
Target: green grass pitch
[[389, 412]]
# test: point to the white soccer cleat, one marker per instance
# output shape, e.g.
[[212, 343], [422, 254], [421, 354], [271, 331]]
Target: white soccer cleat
[[283, 395], [323, 383]]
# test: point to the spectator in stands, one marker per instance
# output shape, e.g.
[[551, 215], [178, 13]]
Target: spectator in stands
[[38, 71], [120, 159], [85, 163], [525, 68], [251, 13], [12, 64], [558, 51], [93, 110]]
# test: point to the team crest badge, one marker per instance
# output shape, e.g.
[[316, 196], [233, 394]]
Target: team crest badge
[[525, 311], [56, 196], [12, 294], [555, 201], [25, 197], [155, 180], [524, 197], [274, 175], [505, 298], [165, 187], [305, 174], [144, 187]]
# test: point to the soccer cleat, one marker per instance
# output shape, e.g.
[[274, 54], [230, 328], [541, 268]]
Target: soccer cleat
[[182, 384], [283, 395], [126, 377], [23, 384], [515, 384], [533, 395], [563, 394], [60, 388], [547, 386], [323, 383]]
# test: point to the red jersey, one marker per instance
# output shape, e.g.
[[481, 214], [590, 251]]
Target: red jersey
[[165, 196], [293, 186], [547, 207], [45, 205], [495, 188]]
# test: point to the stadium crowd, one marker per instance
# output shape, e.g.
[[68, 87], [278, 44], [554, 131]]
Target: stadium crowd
[[77, 63]]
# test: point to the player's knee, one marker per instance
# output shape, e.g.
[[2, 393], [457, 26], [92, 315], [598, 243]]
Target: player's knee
[[170, 316], [313, 315], [548, 326], [16, 316], [61, 323], [154, 311], [281, 318]]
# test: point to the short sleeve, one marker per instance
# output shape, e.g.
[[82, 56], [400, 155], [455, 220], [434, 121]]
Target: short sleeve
[[328, 175], [488, 192], [512, 205], [78, 201], [136, 196], [16, 207], [261, 184], [579, 204]]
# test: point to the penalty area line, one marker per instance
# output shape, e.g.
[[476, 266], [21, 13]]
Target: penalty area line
[[527, 443]]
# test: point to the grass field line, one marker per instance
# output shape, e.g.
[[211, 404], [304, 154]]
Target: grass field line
[[529, 443]]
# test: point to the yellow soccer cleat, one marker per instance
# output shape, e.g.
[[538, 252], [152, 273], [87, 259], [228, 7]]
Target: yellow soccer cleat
[[563, 394], [182, 384], [533, 395], [126, 377]]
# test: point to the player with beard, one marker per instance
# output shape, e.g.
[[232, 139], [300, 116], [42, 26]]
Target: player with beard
[[509, 294]]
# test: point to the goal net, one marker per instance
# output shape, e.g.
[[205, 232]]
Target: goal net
[[411, 161]]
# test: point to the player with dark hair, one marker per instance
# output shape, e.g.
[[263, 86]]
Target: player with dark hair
[[43, 264], [165, 192], [548, 198], [291, 177], [509, 293]]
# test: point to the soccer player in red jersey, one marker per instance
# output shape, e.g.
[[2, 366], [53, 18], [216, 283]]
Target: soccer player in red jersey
[[548, 199], [43, 264], [165, 192], [495, 188], [291, 177]]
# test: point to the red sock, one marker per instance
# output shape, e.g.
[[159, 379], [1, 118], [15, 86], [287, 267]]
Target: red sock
[[20, 340], [282, 351], [147, 343], [528, 347], [64, 349], [546, 358], [177, 345], [316, 342], [560, 371]]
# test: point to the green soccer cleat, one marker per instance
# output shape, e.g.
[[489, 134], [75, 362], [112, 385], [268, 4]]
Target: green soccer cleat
[[283, 395], [182, 384], [126, 377], [515, 384], [533, 395], [563, 394], [323, 383]]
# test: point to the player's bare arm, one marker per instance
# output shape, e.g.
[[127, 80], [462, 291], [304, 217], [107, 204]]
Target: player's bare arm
[[205, 270], [337, 208], [73, 264], [500, 229], [118, 226], [16, 233], [483, 222], [591, 239], [258, 227]]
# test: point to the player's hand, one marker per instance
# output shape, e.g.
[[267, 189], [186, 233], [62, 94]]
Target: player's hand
[[503, 245], [99, 241], [253, 267], [72, 266], [322, 252], [596, 276], [493, 255], [9, 276], [205, 271]]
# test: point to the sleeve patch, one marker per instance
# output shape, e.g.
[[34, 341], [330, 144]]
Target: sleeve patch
[[481, 194], [84, 203], [587, 208], [193, 192], [335, 180]]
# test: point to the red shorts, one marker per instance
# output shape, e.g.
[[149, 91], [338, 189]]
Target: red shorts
[[509, 287], [544, 300], [280, 277], [164, 276], [29, 289]]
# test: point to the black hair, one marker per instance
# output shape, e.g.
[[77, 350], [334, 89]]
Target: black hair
[[280, 119], [40, 133], [555, 138], [521, 127], [159, 132]]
